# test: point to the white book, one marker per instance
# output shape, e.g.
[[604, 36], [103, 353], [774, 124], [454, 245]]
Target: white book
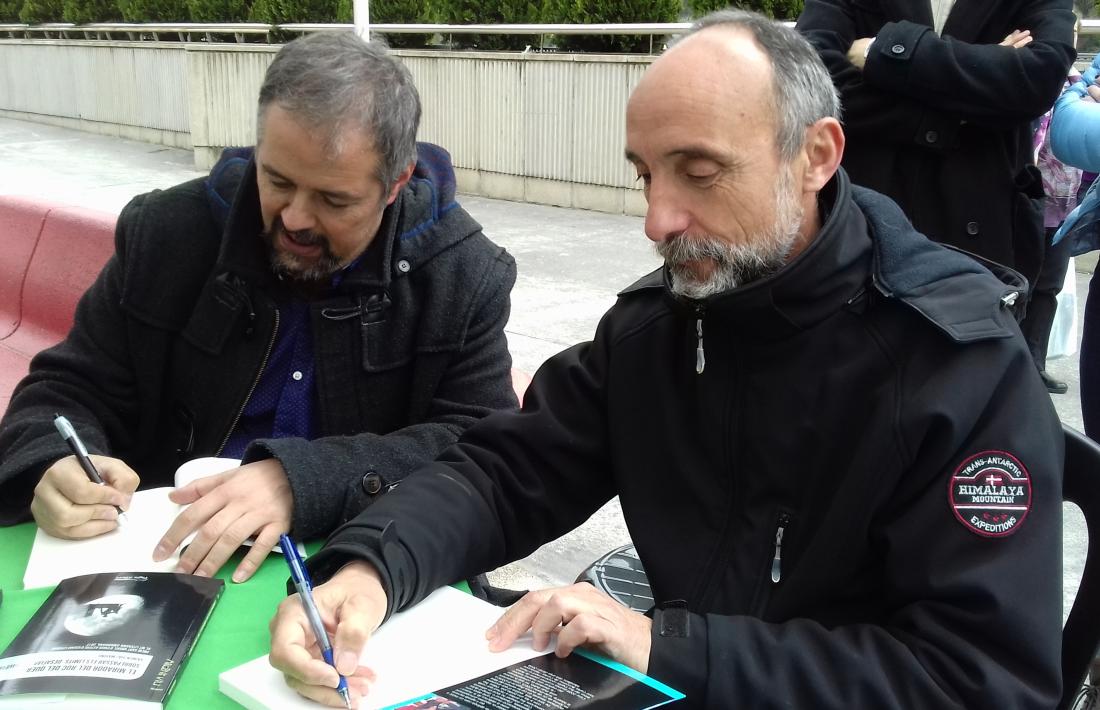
[[437, 643], [127, 548]]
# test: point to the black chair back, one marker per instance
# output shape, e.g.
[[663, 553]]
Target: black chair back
[[1081, 637]]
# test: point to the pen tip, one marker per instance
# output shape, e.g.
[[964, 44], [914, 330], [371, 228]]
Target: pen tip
[[346, 695], [123, 520]]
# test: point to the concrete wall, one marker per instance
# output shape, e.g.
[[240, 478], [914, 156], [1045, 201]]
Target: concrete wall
[[541, 128], [129, 89]]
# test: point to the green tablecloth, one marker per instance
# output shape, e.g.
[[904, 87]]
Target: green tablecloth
[[235, 633]]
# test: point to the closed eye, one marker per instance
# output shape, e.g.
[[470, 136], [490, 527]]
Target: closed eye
[[702, 179]]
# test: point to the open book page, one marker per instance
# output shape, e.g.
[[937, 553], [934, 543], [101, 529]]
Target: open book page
[[127, 548], [438, 643]]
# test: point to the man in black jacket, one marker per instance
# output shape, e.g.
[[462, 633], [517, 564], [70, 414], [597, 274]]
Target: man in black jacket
[[322, 309], [834, 455], [938, 103]]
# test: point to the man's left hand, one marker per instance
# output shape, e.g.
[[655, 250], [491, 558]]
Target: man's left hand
[[227, 509], [580, 615]]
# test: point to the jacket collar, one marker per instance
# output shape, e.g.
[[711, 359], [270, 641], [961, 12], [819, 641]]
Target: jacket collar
[[829, 273]]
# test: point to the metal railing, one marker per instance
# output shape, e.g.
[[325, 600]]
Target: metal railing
[[258, 31]]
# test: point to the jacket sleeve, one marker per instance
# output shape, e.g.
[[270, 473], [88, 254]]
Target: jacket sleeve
[[477, 381], [513, 482], [971, 621], [88, 377], [941, 80], [1075, 125]]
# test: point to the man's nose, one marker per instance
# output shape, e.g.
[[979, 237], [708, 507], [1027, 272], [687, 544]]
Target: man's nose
[[666, 216], [297, 216]]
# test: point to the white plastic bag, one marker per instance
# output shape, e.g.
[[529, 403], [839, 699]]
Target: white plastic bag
[[1063, 332]]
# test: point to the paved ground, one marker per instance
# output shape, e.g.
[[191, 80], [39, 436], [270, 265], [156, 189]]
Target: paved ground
[[571, 264]]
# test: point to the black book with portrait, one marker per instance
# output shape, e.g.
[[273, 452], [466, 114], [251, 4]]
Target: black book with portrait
[[125, 636]]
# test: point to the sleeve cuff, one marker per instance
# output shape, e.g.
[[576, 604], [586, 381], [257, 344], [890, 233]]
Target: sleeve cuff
[[678, 651], [316, 507]]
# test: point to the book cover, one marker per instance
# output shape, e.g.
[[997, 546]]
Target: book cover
[[440, 644], [121, 635]]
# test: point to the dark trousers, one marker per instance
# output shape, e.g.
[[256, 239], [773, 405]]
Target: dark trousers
[[1037, 323]]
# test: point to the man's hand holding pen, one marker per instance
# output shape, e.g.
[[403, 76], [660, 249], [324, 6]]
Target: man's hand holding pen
[[68, 505], [352, 605]]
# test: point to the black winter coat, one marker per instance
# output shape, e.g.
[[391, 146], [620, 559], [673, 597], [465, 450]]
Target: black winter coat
[[943, 124], [170, 340], [843, 405]]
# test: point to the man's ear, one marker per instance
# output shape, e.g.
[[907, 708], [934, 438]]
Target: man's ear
[[400, 182], [823, 149]]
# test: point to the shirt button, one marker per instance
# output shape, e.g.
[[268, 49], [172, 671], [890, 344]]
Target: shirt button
[[972, 228], [372, 483], [403, 266], [898, 49], [931, 136], [297, 375]]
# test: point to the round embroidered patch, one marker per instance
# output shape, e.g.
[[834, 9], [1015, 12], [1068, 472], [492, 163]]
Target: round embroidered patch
[[991, 493]]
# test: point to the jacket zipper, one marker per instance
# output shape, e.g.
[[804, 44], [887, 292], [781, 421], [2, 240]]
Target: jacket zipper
[[777, 560], [700, 356], [255, 382]]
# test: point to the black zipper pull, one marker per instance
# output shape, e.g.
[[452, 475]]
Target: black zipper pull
[[781, 526]]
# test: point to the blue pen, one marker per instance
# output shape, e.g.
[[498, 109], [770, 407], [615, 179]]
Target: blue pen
[[304, 585]]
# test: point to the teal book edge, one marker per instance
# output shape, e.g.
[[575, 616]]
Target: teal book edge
[[626, 670]]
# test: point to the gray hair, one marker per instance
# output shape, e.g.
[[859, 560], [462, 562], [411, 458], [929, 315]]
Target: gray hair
[[802, 90], [332, 80]]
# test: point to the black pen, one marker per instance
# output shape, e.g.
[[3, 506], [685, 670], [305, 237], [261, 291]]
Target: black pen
[[68, 433]]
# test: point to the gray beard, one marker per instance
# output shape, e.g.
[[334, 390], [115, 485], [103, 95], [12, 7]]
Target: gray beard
[[734, 264]]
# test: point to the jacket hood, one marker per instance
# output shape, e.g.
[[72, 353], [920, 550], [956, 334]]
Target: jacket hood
[[929, 277], [424, 219], [865, 240]]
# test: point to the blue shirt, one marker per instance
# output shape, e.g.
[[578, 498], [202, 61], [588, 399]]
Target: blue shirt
[[282, 405]]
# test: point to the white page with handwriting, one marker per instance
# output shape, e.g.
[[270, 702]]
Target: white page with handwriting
[[437, 643]]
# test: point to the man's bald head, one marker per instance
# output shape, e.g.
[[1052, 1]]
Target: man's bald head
[[798, 84]]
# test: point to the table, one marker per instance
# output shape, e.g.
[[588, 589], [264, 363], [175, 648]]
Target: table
[[235, 633]]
